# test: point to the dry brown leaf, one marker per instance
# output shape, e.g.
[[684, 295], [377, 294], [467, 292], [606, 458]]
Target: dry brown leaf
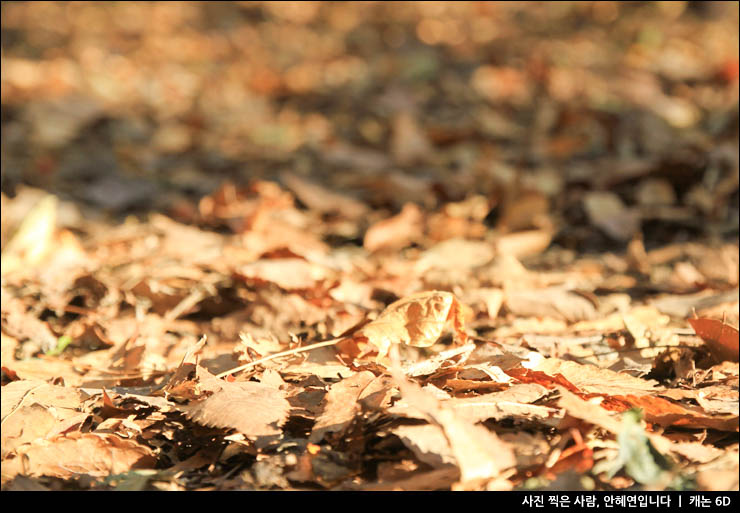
[[429, 366], [721, 338], [523, 211], [343, 154], [607, 212], [479, 453], [47, 369], [595, 380], [378, 394], [522, 244], [555, 303], [286, 273], [718, 265], [322, 199], [459, 254], [249, 346], [682, 305], [274, 234], [186, 366], [27, 392], [341, 405], [457, 385], [531, 449], [394, 470], [186, 244], [525, 375], [35, 409], [26, 425], [416, 320], [395, 232], [480, 175], [253, 409], [718, 399], [404, 409], [721, 479], [514, 403], [428, 442], [22, 325], [449, 224], [8, 346], [666, 413], [321, 362], [78, 453], [697, 452], [591, 411], [33, 241], [486, 300]]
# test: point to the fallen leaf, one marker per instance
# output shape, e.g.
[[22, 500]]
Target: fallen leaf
[[607, 212], [35, 409], [429, 366], [456, 254], [34, 238], [480, 454], [322, 199], [556, 303], [512, 403], [23, 325], [595, 380], [416, 320], [27, 424], [78, 453], [253, 409], [340, 405], [697, 452], [428, 442], [28, 392], [286, 273], [682, 305], [525, 243], [591, 412], [487, 300], [722, 479], [395, 232], [666, 413], [524, 211], [721, 338]]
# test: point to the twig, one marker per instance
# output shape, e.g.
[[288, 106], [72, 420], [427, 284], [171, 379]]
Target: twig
[[281, 354], [633, 349]]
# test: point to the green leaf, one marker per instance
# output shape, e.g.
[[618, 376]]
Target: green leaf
[[62, 344], [637, 456]]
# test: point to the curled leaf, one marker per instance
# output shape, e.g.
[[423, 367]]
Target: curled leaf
[[417, 320], [721, 338]]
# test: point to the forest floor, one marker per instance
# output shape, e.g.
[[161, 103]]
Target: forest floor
[[516, 225]]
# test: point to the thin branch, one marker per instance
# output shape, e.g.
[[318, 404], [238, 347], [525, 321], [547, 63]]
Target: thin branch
[[281, 354]]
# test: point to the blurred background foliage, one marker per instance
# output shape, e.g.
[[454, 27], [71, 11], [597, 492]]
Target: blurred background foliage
[[126, 107]]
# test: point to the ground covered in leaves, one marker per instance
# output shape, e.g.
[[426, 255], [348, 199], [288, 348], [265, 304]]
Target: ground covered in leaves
[[515, 225]]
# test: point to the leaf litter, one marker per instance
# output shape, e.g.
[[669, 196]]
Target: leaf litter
[[316, 271]]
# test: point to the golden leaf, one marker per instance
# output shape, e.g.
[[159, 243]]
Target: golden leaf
[[417, 320]]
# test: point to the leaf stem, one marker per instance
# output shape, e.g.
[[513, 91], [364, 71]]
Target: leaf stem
[[297, 350]]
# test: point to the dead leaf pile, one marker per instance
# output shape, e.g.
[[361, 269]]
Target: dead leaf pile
[[293, 246]]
